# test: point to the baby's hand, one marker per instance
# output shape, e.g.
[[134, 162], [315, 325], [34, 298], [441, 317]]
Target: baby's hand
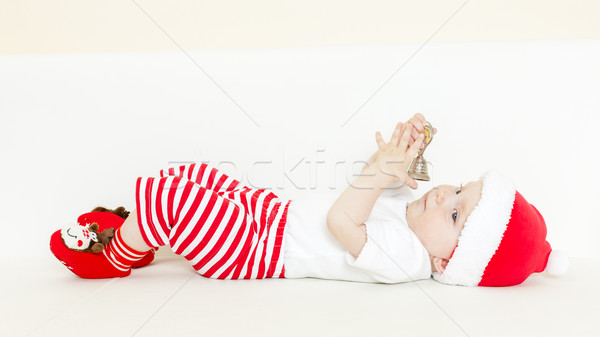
[[394, 157], [418, 121]]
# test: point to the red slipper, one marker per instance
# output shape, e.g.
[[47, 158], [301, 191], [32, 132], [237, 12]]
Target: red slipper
[[94, 265]]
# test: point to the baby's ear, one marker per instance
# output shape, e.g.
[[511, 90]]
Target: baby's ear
[[439, 264]]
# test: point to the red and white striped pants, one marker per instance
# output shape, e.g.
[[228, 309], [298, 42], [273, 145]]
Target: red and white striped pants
[[224, 228]]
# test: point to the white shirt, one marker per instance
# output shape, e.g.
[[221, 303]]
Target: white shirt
[[392, 253]]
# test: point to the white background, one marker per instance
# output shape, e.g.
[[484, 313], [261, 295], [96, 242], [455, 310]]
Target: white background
[[77, 129]]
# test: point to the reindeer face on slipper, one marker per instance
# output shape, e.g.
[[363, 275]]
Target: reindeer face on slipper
[[86, 238]]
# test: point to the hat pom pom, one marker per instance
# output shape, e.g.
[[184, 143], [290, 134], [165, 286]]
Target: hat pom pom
[[558, 263]]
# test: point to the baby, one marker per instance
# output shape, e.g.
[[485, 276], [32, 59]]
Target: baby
[[483, 233]]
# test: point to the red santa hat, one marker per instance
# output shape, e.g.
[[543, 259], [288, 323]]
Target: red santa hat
[[503, 240]]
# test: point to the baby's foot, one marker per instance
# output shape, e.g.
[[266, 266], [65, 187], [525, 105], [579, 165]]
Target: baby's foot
[[115, 260]]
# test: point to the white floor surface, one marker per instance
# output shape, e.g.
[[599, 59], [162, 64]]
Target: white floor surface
[[167, 298]]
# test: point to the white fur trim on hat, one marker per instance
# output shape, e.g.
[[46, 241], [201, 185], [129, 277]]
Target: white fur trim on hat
[[558, 263], [482, 232]]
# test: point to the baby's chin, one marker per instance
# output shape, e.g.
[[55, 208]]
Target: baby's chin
[[414, 208], [414, 202]]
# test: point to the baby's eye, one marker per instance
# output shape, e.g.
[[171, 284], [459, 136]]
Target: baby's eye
[[459, 189], [454, 215]]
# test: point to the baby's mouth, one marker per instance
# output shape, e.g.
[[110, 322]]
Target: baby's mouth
[[425, 197]]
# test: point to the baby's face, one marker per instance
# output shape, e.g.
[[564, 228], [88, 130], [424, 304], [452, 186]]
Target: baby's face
[[440, 215]]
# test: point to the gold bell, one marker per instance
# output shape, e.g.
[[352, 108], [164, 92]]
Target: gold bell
[[418, 167]]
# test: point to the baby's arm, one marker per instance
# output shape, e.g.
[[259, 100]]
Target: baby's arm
[[346, 217]]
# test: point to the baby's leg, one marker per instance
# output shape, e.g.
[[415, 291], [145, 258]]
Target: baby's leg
[[232, 235], [130, 232], [205, 176]]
